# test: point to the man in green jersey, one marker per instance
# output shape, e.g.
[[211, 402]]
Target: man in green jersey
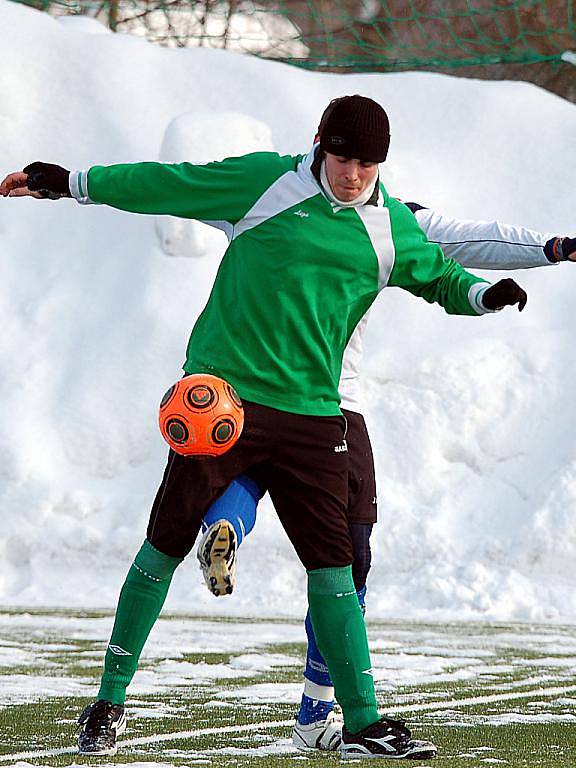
[[313, 239]]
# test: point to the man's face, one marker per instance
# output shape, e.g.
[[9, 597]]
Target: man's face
[[349, 177]]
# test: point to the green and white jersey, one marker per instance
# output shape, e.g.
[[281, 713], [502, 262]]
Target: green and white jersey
[[299, 272]]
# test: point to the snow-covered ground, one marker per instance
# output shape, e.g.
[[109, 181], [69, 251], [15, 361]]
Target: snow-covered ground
[[472, 418]]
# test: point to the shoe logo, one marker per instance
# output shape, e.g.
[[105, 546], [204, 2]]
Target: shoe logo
[[384, 742], [117, 651], [302, 214], [342, 448]]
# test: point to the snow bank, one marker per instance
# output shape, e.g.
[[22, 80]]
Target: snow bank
[[199, 138], [471, 417]]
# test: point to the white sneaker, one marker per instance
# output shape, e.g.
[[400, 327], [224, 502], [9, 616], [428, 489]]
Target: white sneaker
[[217, 557], [322, 734]]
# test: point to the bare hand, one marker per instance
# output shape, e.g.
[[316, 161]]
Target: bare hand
[[14, 185]]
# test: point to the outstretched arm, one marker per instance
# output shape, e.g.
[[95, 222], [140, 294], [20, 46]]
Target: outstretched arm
[[492, 244], [422, 268], [218, 192]]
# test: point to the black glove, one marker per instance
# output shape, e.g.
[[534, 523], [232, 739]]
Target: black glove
[[560, 249], [48, 180], [504, 293]]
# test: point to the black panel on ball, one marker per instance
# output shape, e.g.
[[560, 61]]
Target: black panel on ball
[[200, 397], [167, 396], [234, 396], [223, 431], [177, 431]]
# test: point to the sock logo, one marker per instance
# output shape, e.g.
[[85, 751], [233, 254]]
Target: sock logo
[[368, 672], [117, 651], [316, 665], [345, 594]]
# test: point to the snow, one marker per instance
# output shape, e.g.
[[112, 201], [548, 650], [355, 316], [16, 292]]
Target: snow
[[404, 673], [434, 676], [471, 418], [212, 137]]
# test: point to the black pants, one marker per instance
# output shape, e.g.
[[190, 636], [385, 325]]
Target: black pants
[[360, 534], [362, 507], [303, 462]]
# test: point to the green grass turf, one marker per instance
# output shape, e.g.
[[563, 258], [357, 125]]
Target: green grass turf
[[431, 675]]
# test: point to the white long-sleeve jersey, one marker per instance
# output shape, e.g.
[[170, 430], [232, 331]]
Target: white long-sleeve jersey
[[476, 244]]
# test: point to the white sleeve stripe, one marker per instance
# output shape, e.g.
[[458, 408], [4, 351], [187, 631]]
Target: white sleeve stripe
[[78, 185], [475, 294]]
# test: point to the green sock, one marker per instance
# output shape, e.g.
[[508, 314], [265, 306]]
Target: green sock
[[341, 636], [141, 600]]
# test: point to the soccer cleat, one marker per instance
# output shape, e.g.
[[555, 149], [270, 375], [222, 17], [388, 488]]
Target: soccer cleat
[[217, 557], [103, 722], [385, 738], [322, 734]]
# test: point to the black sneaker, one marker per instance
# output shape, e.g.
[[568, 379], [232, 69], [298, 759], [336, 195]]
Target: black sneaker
[[103, 722], [385, 738]]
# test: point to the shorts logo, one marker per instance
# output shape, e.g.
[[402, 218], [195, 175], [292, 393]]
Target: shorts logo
[[342, 448], [117, 651], [302, 214]]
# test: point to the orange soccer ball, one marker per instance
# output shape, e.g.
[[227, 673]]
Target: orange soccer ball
[[201, 415]]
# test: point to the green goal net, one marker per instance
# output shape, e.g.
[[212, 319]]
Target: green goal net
[[351, 35]]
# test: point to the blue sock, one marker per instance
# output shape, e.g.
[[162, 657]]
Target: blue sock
[[237, 505], [312, 710], [316, 668], [362, 598], [316, 673]]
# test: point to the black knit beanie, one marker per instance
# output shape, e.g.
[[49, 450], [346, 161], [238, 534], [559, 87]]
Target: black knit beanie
[[355, 126]]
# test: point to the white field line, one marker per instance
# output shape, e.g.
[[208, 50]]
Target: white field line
[[454, 703], [156, 739], [432, 706]]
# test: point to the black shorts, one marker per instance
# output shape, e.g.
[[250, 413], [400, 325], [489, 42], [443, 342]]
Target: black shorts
[[362, 502], [301, 460]]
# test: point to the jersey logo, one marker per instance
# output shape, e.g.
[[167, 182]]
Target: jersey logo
[[117, 651], [341, 448], [301, 213]]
